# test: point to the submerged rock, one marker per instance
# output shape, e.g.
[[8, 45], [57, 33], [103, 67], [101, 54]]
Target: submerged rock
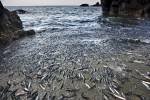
[[10, 26], [129, 8], [84, 5], [20, 11]]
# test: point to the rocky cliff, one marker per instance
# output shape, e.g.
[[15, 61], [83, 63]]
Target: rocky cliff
[[10, 26], [130, 8]]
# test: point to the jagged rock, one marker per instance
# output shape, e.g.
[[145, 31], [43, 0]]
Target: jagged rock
[[10, 26], [97, 4], [20, 11], [130, 8], [84, 5]]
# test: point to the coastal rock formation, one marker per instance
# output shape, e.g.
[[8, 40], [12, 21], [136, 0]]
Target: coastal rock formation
[[130, 8], [11, 27], [84, 5], [97, 4]]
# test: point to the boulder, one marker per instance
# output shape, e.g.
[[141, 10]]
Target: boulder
[[84, 5], [10, 26], [129, 8]]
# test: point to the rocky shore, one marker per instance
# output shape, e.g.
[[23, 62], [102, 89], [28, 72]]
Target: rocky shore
[[72, 65], [11, 27], [129, 8]]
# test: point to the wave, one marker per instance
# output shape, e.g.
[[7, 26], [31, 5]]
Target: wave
[[133, 41]]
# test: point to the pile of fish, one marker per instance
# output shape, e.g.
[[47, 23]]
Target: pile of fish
[[77, 79]]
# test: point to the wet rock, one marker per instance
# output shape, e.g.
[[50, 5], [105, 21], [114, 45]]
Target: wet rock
[[26, 33], [11, 27], [84, 5], [20, 11], [130, 8]]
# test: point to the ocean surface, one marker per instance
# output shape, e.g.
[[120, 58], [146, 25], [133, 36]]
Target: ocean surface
[[81, 40]]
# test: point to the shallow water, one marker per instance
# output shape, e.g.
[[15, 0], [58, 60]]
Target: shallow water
[[77, 43]]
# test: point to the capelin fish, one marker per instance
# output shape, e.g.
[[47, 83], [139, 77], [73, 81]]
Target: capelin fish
[[116, 94], [84, 97], [119, 97], [29, 85], [146, 84], [5, 90], [13, 92], [26, 90], [147, 76], [87, 85], [21, 93], [72, 90], [34, 96], [105, 97], [45, 97], [44, 76], [68, 96], [80, 75], [62, 85], [42, 87]]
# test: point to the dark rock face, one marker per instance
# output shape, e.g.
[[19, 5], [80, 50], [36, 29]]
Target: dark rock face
[[10, 26], [97, 4], [130, 8], [20, 11], [84, 5]]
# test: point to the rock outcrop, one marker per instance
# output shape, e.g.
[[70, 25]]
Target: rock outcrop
[[11, 27], [97, 4], [84, 5], [130, 8]]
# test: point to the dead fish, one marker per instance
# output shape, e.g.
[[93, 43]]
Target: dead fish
[[44, 76], [83, 68], [5, 90], [80, 75], [147, 75], [42, 87], [29, 84], [116, 94], [72, 90], [146, 84], [21, 93], [26, 89], [84, 97], [28, 76], [45, 97], [51, 97], [105, 97], [11, 74], [119, 97], [87, 85], [62, 85], [34, 96], [137, 61], [68, 96]]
